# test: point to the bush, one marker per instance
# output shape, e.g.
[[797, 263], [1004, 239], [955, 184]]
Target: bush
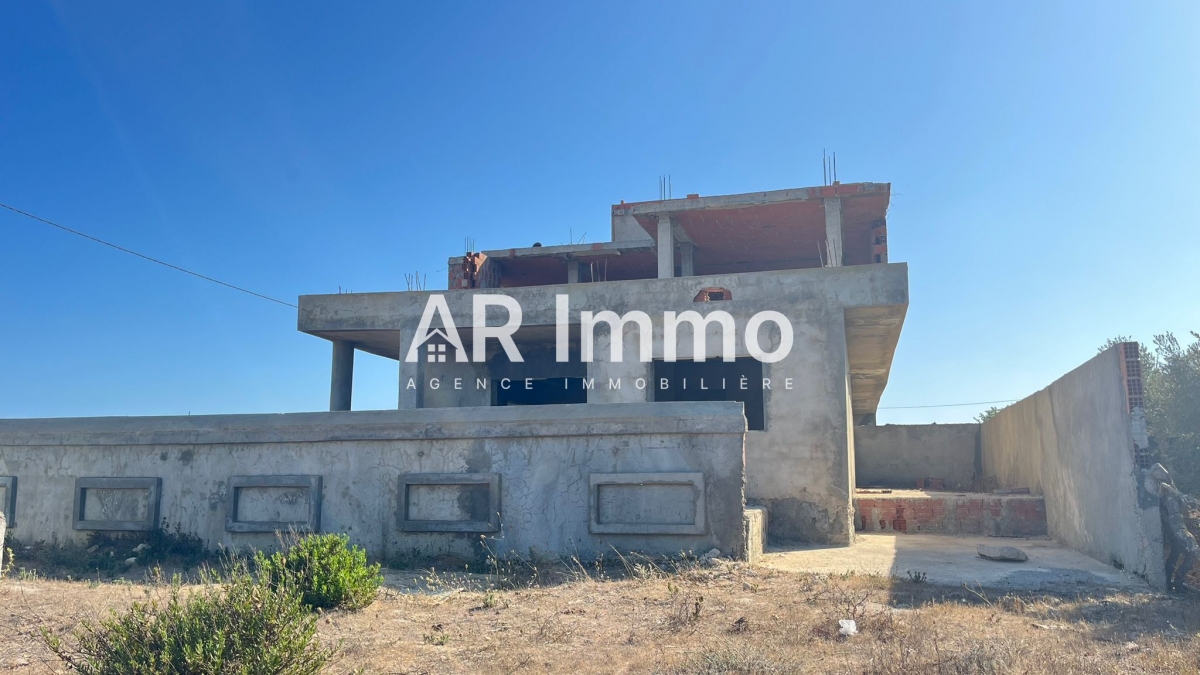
[[230, 626], [325, 570]]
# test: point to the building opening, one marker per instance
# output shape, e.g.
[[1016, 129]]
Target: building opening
[[549, 391], [714, 381]]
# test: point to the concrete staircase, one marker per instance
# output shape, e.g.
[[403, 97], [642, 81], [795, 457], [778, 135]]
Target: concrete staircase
[[952, 513]]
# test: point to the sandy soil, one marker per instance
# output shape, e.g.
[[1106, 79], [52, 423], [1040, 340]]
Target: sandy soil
[[727, 619]]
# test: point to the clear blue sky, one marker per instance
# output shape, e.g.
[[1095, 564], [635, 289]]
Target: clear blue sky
[[1043, 160]]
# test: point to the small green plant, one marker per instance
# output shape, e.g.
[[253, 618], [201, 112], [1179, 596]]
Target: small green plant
[[324, 569], [492, 600], [438, 636], [229, 625], [437, 639]]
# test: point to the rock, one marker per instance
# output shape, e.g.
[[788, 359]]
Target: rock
[[1159, 473], [712, 553], [1002, 553], [141, 547], [130, 562], [847, 627], [93, 549]]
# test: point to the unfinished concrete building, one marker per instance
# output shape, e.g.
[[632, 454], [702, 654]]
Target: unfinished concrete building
[[818, 255], [561, 400]]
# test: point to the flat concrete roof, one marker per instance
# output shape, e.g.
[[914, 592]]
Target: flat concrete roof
[[874, 315]]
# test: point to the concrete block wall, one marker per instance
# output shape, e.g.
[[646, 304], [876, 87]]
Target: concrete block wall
[[398, 482], [1076, 443], [899, 455]]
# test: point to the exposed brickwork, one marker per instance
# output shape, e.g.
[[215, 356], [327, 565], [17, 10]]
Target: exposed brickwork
[[879, 241], [1003, 516], [1132, 372], [1131, 378], [472, 270]]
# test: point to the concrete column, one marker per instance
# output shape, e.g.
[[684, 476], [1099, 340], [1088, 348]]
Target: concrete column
[[833, 232], [573, 271], [341, 381], [411, 398], [687, 254], [666, 248]]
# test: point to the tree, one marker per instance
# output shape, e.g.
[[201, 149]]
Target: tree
[[1173, 407], [987, 414], [1171, 384]]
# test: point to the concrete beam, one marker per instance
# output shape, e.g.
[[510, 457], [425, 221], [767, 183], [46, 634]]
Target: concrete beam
[[666, 247], [573, 271], [341, 379], [750, 199], [833, 231]]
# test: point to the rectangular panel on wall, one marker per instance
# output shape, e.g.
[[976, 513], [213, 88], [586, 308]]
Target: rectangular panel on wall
[[117, 503], [273, 504], [449, 502], [647, 503], [8, 499]]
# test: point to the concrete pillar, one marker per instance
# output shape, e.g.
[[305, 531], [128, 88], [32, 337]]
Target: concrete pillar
[[687, 254], [833, 232], [341, 381], [666, 248], [413, 397], [573, 271]]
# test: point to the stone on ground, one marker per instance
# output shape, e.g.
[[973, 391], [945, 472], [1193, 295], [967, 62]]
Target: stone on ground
[[1002, 553]]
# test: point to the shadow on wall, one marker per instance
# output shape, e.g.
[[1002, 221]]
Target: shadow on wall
[[903, 455]]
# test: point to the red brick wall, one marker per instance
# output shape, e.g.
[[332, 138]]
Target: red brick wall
[[1008, 516]]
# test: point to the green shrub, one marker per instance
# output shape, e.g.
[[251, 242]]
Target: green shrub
[[234, 626], [325, 570]]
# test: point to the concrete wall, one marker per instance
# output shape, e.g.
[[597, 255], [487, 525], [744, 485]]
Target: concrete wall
[[898, 455], [800, 466], [543, 462], [1075, 442]]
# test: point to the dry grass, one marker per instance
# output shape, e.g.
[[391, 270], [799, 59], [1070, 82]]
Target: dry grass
[[730, 619]]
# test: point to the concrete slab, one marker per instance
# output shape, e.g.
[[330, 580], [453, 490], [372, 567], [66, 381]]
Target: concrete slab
[[954, 561]]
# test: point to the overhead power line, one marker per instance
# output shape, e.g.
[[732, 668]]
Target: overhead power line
[[943, 405], [144, 257]]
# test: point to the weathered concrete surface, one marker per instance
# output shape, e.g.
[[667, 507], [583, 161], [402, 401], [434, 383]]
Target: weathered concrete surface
[[917, 511], [1073, 442], [898, 455], [3, 530], [954, 561], [755, 518], [543, 454], [846, 324]]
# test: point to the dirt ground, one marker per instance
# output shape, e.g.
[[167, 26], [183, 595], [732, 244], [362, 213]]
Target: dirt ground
[[726, 619]]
